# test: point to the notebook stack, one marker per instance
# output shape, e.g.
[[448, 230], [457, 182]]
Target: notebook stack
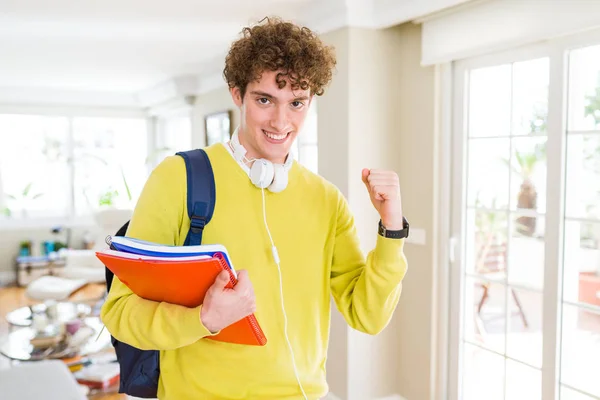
[[178, 275]]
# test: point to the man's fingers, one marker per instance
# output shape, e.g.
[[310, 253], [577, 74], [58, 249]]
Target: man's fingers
[[383, 182], [244, 290], [243, 282], [383, 176], [222, 279]]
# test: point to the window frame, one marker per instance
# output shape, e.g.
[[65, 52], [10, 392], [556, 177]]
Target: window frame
[[557, 50], [71, 220]]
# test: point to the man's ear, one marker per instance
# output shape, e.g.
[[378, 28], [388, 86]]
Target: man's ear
[[236, 95]]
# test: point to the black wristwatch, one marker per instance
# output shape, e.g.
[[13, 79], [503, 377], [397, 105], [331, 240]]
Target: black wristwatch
[[401, 234]]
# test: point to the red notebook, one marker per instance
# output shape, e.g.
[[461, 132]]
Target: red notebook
[[182, 281]]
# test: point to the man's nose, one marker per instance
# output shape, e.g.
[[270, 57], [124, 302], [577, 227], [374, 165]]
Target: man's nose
[[279, 119]]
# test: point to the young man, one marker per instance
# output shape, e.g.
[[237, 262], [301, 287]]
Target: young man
[[273, 73]]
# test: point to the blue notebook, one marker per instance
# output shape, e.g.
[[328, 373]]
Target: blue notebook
[[145, 248]]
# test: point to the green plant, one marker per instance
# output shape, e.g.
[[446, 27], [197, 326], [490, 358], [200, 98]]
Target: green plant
[[490, 231], [25, 198], [125, 183], [524, 164], [53, 149], [25, 195], [538, 120], [592, 108], [108, 198]]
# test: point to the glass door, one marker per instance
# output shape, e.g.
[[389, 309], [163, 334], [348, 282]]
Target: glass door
[[526, 218], [580, 350]]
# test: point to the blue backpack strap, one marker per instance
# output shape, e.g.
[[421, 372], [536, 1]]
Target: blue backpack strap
[[140, 369], [201, 193]]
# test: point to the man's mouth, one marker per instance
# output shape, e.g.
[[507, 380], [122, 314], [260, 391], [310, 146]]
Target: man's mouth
[[276, 137]]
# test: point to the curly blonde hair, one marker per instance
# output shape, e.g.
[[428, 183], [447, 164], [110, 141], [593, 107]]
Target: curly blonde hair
[[277, 45]]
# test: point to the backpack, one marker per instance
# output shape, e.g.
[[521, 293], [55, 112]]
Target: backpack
[[140, 369]]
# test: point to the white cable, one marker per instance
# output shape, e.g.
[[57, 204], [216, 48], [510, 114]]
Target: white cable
[[285, 322]]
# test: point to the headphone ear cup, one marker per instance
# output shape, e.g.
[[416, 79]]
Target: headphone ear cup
[[280, 179], [261, 173]]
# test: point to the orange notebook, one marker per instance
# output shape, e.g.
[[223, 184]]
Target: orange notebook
[[182, 281]]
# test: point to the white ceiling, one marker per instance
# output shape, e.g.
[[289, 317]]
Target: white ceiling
[[126, 46], [118, 45]]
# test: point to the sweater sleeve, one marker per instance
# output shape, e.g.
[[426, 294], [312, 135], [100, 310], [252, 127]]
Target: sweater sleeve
[[366, 292], [158, 215]]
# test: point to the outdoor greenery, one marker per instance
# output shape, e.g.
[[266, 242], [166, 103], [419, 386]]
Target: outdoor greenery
[[592, 107]]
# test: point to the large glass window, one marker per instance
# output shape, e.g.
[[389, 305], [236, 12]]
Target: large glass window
[[53, 166], [527, 215]]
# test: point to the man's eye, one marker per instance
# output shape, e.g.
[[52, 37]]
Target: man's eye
[[297, 104], [263, 100]]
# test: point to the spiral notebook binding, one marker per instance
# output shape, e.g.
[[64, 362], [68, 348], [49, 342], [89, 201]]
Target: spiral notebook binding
[[251, 319]]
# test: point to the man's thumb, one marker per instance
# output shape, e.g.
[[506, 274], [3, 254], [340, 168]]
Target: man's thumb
[[223, 279], [365, 175]]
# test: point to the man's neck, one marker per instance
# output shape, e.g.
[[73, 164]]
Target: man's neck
[[250, 153]]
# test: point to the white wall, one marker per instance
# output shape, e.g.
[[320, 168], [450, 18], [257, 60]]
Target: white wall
[[211, 102], [379, 112], [490, 26], [333, 125], [416, 163]]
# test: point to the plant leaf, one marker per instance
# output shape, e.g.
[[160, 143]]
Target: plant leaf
[[27, 189], [125, 183]]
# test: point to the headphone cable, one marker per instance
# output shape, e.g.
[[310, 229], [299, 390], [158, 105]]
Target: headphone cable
[[285, 321]]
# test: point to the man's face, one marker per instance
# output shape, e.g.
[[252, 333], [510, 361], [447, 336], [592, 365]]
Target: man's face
[[270, 117]]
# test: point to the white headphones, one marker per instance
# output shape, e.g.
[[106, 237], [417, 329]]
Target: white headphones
[[263, 173]]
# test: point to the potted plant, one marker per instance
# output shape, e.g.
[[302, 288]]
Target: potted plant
[[25, 197]]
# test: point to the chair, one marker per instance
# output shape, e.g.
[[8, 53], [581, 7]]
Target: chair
[[492, 259]]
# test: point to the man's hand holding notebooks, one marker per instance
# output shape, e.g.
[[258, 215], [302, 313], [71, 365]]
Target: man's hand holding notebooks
[[224, 306], [189, 276]]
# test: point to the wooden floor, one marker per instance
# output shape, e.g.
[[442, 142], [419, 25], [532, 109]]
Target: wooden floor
[[14, 297]]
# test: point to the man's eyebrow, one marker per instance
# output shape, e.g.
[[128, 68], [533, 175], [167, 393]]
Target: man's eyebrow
[[259, 93], [270, 96]]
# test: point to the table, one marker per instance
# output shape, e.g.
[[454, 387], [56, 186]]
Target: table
[[12, 298], [21, 317], [16, 345]]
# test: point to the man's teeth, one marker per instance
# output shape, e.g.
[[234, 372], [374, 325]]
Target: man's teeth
[[276, 137]]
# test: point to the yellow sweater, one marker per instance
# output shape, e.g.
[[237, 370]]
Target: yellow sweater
[[316, 239]]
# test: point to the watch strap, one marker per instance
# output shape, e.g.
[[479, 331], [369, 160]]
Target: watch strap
[[398, 234]]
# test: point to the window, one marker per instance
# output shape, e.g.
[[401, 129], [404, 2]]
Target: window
[[527, 284], [54, 166], [33, 166], [109, 158], [580, 323], [174, 133]]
